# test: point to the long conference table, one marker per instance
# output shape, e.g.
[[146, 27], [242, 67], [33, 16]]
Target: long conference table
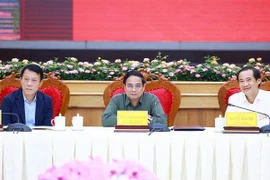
[[201, 155]]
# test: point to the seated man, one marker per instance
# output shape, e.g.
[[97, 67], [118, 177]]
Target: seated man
[[28, 105], [136, 99], [251, 97]]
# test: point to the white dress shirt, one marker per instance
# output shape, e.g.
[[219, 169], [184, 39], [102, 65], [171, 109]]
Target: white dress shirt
[[30, 111], [260, 104]]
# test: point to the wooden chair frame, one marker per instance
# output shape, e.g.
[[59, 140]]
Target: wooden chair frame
[[152, 82], [233, 83], [48, 81]]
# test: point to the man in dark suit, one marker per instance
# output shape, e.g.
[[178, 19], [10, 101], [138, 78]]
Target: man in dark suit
[[27, 104]]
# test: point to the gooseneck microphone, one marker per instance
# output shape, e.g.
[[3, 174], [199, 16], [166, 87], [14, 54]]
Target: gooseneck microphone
[[263, 129], [16, 127], [157, 127]]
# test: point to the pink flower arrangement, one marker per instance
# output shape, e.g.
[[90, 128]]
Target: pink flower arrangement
[[95, 168], [105, 70]]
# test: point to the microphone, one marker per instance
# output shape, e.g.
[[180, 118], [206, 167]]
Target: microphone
[[157, 127], [263, 129], [16, 126]]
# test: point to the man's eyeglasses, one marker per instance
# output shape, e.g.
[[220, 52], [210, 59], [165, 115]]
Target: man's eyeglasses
[[131, 87]]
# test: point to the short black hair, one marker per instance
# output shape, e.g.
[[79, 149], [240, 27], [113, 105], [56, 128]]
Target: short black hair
[[256, 72], [33, 67], [134, 73]]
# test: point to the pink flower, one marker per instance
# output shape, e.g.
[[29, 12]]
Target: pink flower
[[69, 66], [192, 71], [7, 67], [204, 69], [95, 168]]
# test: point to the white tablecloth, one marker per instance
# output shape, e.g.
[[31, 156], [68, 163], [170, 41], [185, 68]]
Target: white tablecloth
[[170, 155]]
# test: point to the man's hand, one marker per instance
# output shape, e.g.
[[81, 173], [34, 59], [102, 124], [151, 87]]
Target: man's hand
[[150, 118]]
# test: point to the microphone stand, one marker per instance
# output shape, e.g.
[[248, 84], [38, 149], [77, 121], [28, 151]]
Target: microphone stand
[[157, 127], [16, 127], [267, 127]]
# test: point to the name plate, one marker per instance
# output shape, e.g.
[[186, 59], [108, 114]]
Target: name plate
[[132, 118], [247, 119]]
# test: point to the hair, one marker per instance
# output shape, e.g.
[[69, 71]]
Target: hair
[[256, 72], [35, 68], [134, 73]]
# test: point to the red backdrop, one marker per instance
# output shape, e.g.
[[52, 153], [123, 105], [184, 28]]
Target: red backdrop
[[172, 20]]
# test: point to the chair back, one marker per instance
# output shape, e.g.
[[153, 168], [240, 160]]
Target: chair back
[[51, 86], [168, 94], [231, 87]]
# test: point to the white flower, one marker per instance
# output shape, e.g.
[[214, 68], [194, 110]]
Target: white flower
[[73, 59], [118, 61], [169, 64], [154, 61], [105, 61], [164, 70], [97, 63], [25, 61], [14, 60], [146, 60], [50, 62], [226, 64], [81, 70], [251, 60]]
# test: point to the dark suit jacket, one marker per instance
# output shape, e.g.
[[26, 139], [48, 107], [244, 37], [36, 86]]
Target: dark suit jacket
[[14, 103]]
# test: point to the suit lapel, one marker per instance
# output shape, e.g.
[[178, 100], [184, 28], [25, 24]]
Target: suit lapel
[[20, 105], [39, 107]]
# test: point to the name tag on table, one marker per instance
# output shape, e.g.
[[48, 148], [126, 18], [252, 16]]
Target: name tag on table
[[247, 119], [132, 117]]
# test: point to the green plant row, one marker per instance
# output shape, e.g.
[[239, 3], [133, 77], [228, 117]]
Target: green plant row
[[105, 70]]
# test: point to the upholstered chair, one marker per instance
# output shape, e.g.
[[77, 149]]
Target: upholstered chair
[[168, 94], [51, 86]]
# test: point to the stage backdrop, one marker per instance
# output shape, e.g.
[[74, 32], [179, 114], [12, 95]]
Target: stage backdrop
[[136, 20], [172, 20]]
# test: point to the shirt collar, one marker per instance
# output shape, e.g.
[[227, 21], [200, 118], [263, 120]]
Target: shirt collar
[[25, 100], [258, 97], [127, 101]]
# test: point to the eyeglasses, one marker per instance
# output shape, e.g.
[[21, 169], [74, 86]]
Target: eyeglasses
[[131, 87]]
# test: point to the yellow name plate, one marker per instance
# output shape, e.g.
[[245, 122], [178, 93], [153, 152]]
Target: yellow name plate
[[132, 118], [247, 119]]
